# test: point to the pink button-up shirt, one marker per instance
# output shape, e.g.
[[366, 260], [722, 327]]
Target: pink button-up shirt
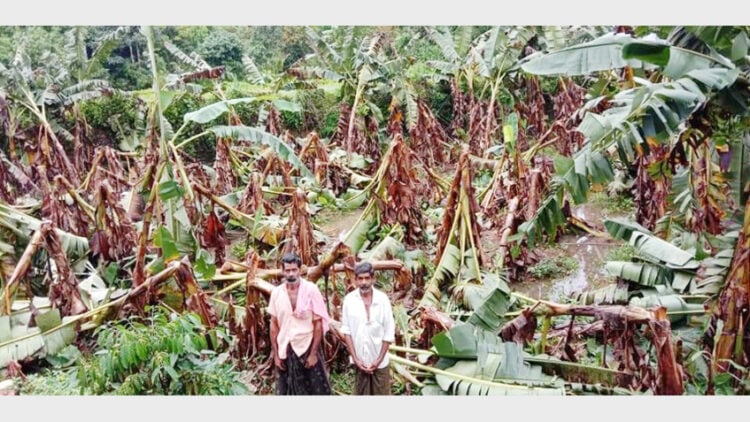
[[296, 327]]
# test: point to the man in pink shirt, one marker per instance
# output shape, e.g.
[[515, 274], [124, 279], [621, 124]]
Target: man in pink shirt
[[298, 321]]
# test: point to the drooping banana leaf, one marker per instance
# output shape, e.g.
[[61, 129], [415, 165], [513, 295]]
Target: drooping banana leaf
[[447, 270], [577, 372], [461, 379], [621, 228], [714, 273], [677, 308], [739, 169], [490, 304], [460, 342], [388, 248], [497, 362], [614, 51], [18, 341], [603, 53], [675, 61], [222, 310], [662, 252], [641, 273], [613, 294], [24, 225], [280, 148], [656, 111], [356, 237], [212, 111]]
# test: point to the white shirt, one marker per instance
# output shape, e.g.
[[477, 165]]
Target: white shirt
[[368, 336]]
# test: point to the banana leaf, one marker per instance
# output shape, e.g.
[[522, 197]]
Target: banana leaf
[[603, 53], [356, 237], [662, 252], [388, 248], [222, 310], [675, 61], [24, 225], [499, 369], [447, 270], [641, 273], [282, 150], [462, 380], [714, 273], [622, 229], [490, 305], [460, 342], [677, 308], [576, 372], [19, 342], [212, 111], [613, 294]]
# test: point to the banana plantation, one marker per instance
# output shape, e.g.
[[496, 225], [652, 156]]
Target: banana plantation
[[551, 210]]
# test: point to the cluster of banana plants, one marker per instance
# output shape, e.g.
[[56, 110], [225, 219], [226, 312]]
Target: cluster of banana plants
[[535, 125]]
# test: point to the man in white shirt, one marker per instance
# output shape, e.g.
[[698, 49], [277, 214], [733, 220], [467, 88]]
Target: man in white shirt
[[368, 328]]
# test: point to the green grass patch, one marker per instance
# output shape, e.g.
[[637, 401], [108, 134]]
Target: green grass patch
[[553, 267]]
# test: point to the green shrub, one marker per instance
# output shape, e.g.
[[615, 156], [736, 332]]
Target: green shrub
[[621, 253], [167, 354], [621, 203], [559, 266]]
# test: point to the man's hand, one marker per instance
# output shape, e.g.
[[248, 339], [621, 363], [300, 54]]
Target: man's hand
[[360, 365], [311, 360], [279, 363], [372, 367]]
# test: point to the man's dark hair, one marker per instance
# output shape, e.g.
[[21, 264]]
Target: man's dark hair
[[291, 258], [364, 267]]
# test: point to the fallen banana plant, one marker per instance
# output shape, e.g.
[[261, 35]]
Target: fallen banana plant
[[458, 239]]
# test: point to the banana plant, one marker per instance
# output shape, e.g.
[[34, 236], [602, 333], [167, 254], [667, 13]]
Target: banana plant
[[459, 258], [695, 75], [353, 57], [661, 274], [650, 111]]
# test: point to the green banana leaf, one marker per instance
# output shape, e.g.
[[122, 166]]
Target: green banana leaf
[[464, 379], [621, 228], [677, 308], [25, 225], [642, 273], [603, 53], [356, 237], [490, 303], [282, 150], [613, 294], [576, 372], [714, 273], [212, 111], [675, 61], [662, 252], [460, 342], [222, 310], [499, 369], [447, 270], [388, 248], [18, 341]]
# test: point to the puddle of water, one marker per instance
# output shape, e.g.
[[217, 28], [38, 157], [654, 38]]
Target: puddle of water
[[332, 223], [590, 252]]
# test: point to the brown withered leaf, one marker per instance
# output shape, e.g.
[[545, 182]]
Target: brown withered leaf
[[63, 292], [225, 180], [298, 233], [213, 235], [114, 224]]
